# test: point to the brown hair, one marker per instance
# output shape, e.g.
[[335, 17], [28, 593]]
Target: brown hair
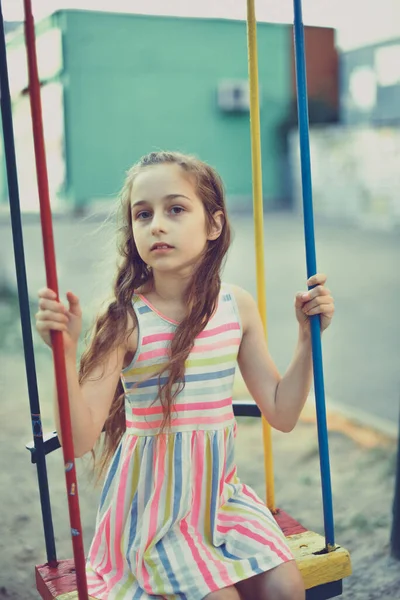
[[110, 328]]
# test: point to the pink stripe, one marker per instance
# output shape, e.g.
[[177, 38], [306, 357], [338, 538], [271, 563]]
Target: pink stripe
[[162, 337], [201, 564], [231, 475], [93, 558], [119, 510], [106, 551], [97, 591], [254, 536], [216, 345], [251, 495], [157, 337], [221, 329], [96, 585], [256, 524], [175, 422], [163, 352], [103, 558], [106, 568], [153, 354], [153, 410]]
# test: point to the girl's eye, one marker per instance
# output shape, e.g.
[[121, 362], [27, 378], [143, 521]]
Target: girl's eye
[[144, 214], [176, 210]]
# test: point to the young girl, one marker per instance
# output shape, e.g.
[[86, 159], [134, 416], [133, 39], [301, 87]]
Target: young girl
[[174, 519]]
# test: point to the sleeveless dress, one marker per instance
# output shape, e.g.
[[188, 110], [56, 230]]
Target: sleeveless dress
[[174, 520]]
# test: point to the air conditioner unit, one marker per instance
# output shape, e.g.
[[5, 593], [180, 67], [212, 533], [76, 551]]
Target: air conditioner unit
[[234, 95]]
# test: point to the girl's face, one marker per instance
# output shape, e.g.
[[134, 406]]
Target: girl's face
[[168, 219]]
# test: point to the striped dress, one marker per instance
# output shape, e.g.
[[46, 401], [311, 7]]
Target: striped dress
[[174, 520]]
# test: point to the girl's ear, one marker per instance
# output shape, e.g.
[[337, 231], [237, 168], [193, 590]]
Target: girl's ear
[[216, 227]]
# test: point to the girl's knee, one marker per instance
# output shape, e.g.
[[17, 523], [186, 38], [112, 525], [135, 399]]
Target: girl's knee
[[228, 593], [291, 590], [285, 583]]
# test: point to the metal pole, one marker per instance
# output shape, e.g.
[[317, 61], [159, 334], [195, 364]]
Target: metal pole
[[23, 298], [302, 104], [52, 283], [258, 223], [395, 537]]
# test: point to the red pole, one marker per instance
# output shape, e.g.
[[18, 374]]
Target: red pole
[[51, 276]]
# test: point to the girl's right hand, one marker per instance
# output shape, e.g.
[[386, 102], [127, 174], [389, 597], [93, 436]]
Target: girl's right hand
[[54, 316]]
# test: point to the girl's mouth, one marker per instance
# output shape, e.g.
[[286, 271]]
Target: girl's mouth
[[161, 247]]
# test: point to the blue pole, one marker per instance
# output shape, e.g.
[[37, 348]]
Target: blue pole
[[302, 106], [23, 297]]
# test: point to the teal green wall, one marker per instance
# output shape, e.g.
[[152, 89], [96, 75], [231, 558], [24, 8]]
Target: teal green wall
[[137, 83]]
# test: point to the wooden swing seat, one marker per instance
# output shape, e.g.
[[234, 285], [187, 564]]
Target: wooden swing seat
[[323, 572]]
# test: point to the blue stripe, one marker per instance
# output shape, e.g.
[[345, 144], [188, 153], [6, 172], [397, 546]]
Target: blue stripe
[[252, 507], [148, 475], [187, 572], [252, 561], [247, 548], [143, 309], [188, 378], [138, 594], [228, 554], [132, 530], [113, 468], [178, 468], [214, 482], [168, 568], [254, 565]]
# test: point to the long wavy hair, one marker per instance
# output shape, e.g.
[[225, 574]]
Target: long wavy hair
[[111, 327]]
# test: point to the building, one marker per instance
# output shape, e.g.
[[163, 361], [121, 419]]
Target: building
[[116, 86], [370, 85]]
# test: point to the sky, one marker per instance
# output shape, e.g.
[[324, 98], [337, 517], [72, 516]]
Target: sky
[[358, 22]]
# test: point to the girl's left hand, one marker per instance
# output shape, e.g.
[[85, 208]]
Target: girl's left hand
[[317, 301]]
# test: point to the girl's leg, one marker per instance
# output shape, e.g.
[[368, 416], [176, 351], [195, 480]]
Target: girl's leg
[[228, 593], [282, 583]]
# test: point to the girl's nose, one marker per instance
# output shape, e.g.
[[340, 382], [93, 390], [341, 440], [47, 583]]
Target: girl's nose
[[158, 223]]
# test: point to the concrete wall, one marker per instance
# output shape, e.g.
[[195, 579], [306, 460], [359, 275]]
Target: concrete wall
[[355, 174], [370, 85]]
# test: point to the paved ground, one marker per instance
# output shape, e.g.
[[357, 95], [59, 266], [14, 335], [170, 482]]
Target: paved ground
[[362, 348]]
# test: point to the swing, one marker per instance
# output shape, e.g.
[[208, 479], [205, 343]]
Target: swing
[[322, 563]]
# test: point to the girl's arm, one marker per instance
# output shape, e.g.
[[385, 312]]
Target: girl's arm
[[280, 399], [90, 402]]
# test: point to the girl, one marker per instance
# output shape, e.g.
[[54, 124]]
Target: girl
[[174, 520]]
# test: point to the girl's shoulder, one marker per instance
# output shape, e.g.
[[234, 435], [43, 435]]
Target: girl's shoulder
[[131, 339], [245, 304]]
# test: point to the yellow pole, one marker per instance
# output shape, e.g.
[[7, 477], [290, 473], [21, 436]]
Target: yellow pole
[[259, 221]]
